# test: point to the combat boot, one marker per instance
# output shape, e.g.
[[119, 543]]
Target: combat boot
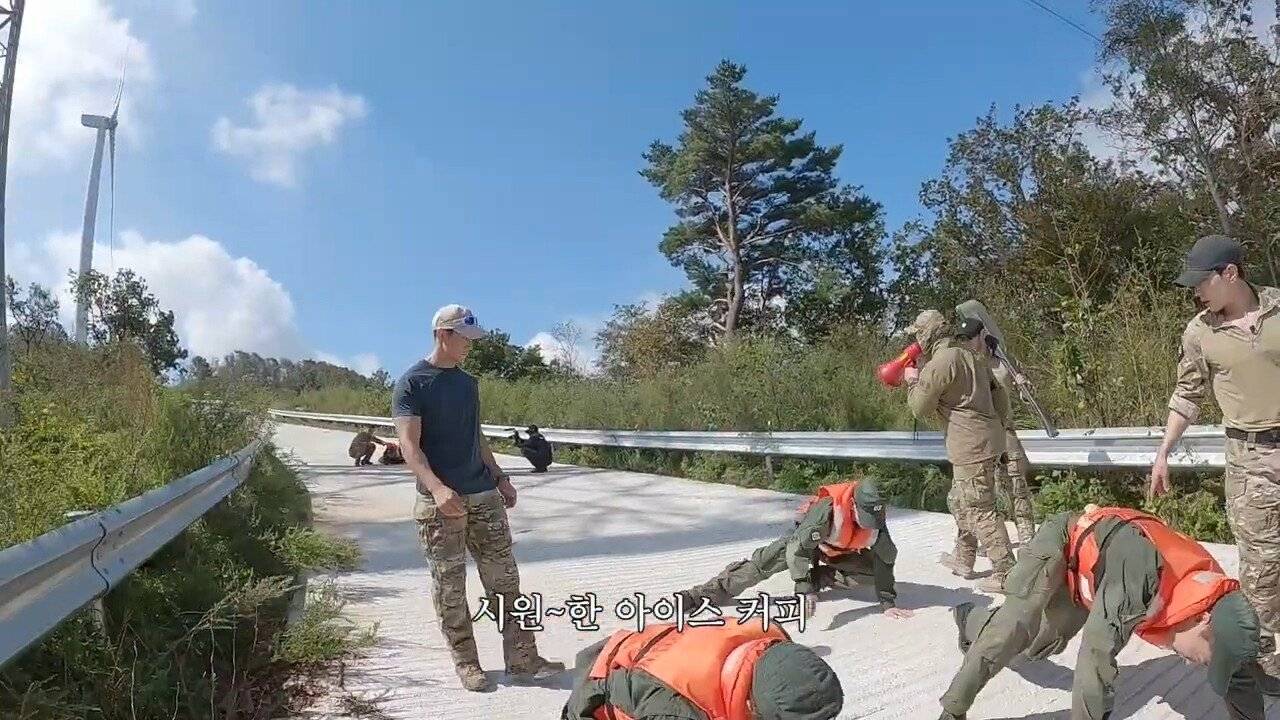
[[960, 614], [949, 561], [1269, 663], [539, 669], [1025, 534], [473, 678], [993, 583]]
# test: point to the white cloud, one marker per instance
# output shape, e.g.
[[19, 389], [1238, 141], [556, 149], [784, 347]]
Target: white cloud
[[287, 123], [221, 303], [583, 353], [69, 62], [363, 363], [651, 300]]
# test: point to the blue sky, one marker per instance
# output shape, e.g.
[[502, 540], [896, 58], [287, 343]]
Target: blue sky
[[405, 155]]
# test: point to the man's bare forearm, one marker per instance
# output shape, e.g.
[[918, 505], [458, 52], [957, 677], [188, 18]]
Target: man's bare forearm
[[409, 431], [1174, 428]]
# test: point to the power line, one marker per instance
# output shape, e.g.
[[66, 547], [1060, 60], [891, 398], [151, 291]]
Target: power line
[[1064, 19]]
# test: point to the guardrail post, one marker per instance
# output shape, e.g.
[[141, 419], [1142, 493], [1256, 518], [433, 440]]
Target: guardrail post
[[97, 608], [768, 459]]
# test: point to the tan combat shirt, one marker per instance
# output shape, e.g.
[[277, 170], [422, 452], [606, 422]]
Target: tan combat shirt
[[1004, 379], [1240, 364], [957, 386]]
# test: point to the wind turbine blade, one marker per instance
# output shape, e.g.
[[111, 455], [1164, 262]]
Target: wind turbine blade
[[124, 67]]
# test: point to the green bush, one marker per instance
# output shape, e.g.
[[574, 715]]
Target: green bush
[[322, 633], [197, 630], [1100, 371]]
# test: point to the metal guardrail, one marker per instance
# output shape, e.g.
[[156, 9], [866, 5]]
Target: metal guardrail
[[1202, 446], [46, 579]]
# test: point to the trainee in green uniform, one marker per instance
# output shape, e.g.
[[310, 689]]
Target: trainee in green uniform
[[1125, 595], [800, 552]]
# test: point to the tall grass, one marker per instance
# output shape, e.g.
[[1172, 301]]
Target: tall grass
[[751, 384], [1091, 366], [198, 630]]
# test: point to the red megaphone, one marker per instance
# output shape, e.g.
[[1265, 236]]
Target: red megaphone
[[891, 372]]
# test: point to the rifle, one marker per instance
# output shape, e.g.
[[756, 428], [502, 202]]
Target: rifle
[[976, 310]]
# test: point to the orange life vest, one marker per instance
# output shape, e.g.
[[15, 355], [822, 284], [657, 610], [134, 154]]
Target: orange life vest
[[711, 666], [846, 536], [1191, 581]]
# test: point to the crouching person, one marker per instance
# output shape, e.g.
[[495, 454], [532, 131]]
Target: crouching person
[[840, 539], [734, 671], [1110, 573]]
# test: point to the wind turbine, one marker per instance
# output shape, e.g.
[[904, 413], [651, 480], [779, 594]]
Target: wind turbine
[[106, 127]]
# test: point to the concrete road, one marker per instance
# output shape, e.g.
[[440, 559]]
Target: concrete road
[[615, 534]]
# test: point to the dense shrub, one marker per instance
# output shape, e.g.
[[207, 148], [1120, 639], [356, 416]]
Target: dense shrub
[[199, 630]]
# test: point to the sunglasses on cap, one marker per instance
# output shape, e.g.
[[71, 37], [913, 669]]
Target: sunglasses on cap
[[467, 320]]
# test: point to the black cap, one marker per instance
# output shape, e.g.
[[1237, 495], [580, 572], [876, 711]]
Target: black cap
[[1210, 253], [790, 682], [1235, 639], [970, 328], [867, 505]]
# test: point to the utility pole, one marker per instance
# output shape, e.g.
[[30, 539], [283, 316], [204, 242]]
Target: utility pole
[[12, 17]]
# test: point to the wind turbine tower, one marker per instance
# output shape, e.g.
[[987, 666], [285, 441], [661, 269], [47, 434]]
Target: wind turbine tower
[[106, 127]]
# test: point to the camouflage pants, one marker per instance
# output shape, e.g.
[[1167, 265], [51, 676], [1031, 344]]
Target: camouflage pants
[[358, 451], [1253, 512], [1011, 484], [1036, 619], [972, 502], [483, 531]]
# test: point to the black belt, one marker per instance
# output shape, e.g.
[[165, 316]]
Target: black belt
[[1270, 436]]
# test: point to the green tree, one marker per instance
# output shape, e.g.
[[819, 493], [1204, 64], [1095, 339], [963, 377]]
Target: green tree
[[1024, 211], [199, 369], [122, 310], [840, 286], [495, 355], [35, 316], [748, 190], [639, 342], [1199, 95]]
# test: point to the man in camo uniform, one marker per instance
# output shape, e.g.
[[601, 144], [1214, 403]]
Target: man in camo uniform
[[1012, 471], [955, 386], [462, 503], [1232, 349]]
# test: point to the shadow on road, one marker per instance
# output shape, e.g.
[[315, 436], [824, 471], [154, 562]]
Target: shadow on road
[[1169, 680], [911, 596]]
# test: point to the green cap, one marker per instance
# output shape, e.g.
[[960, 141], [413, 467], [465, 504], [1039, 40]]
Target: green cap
[[791, 682], [867, 505], [1210, 253], [1235, 639]]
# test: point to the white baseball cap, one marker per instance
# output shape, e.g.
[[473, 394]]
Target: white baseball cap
[[460, 320]]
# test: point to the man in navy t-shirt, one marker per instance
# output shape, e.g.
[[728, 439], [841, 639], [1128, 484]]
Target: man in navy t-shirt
[[463, 498]]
